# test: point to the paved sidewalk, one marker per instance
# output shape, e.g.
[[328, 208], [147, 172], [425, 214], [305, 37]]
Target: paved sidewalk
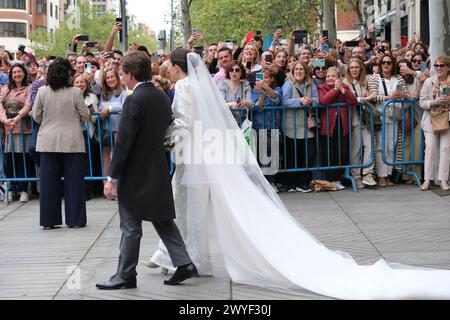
[[400, 224]]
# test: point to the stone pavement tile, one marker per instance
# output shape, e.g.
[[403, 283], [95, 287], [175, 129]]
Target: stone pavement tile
[[245, 292], [435, 259]]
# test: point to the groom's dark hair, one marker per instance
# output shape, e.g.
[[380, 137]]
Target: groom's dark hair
[[138, 64], [179, 57]]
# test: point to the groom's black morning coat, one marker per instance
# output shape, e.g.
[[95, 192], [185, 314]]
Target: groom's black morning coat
[[139, 161]]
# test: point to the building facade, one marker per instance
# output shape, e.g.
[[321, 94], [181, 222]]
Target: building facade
[[18, 18], [397, 21]]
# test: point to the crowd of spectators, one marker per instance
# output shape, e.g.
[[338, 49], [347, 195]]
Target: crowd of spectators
[[255, 77]]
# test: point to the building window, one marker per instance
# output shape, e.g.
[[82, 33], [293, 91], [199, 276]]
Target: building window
[[56, 12], [13, 29], [13, 4], [41, 6], [51, 9]]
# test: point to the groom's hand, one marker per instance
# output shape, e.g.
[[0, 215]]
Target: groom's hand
[[110, 190]]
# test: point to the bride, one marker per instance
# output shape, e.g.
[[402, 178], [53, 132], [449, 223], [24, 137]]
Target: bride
[[218, 179]]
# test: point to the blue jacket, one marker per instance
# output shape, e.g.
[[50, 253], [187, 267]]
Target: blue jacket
[[266, 119]]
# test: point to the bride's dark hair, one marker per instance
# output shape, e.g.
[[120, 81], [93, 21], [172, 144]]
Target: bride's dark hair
[[179, 57]]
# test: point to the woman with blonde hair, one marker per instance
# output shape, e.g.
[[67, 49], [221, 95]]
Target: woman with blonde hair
[[435, 100], [356, 79], [112, 98]]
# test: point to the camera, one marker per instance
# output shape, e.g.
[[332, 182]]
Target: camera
[[21, 48]]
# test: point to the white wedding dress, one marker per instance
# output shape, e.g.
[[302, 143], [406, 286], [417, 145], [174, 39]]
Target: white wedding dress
[[262, 245]]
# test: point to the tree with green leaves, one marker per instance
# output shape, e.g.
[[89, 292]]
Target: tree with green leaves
[[232, 19], [85, 22]]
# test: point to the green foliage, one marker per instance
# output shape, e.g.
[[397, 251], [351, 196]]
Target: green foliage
[[232, 19], [97, 27]]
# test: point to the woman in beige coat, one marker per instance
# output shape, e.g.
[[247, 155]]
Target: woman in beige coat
[[435, 99], [59, 108]]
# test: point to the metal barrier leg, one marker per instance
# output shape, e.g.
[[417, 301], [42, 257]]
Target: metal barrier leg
[[349, 176]]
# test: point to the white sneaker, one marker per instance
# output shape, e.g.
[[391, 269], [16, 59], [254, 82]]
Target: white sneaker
[[368, 180], [292, 190], [303, 189], [339, 185], [24, 197]]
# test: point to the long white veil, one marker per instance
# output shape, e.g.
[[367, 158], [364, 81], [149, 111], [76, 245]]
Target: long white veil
[[262, 244]]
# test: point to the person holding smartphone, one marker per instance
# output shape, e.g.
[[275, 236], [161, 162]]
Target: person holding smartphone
[[235, 88], [266, 94]]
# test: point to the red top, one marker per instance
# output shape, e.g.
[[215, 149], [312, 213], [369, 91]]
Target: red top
[[328, 95]]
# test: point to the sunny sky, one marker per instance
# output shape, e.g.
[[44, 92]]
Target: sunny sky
[[151, 12]]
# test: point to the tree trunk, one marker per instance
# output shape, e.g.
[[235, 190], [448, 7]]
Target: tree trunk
[[186, 21], [329, 19], [439, 28]]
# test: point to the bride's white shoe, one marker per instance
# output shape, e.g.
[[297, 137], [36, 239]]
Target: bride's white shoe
[[150, 264]]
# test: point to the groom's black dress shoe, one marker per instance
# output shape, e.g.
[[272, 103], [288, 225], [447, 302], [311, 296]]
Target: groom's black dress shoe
[[116, 282], [182, 273]]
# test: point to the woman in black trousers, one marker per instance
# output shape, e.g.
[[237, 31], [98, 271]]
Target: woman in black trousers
[[59, 108]]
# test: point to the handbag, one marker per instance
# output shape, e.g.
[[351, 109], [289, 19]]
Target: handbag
[[12, 108], [439, 122], [310, 120], [392, 107]]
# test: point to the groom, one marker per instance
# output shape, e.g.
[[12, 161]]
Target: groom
[[139, 175]]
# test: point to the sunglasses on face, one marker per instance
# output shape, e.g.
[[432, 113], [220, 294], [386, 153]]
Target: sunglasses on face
[[236, 70], [439, 65], [320, 68], [416, 61], [386, 62]]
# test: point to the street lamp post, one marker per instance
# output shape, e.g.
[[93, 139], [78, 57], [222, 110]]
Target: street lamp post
[[124, 32], [171, 27]]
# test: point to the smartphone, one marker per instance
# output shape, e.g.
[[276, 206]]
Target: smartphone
[[279, 26], [83, 37], [195, 31], [318, 63], [325, 33], [91, 44], [326, 47], [423, 66], [353, 43], [119, 19], [248, 65], [230, 45], [238, 100], [111, 55], [21, 48], [258, 33], [260, 76], [399, 87], [269, 58], [299, 36], [88, 67], [381, 49], [445, 90]]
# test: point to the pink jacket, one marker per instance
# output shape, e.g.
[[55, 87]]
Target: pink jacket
[[22, 94]]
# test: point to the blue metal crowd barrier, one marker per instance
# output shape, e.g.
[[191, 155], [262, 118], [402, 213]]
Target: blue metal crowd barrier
[[277, 121], [406, 120], [271, 118], [15, 175]]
